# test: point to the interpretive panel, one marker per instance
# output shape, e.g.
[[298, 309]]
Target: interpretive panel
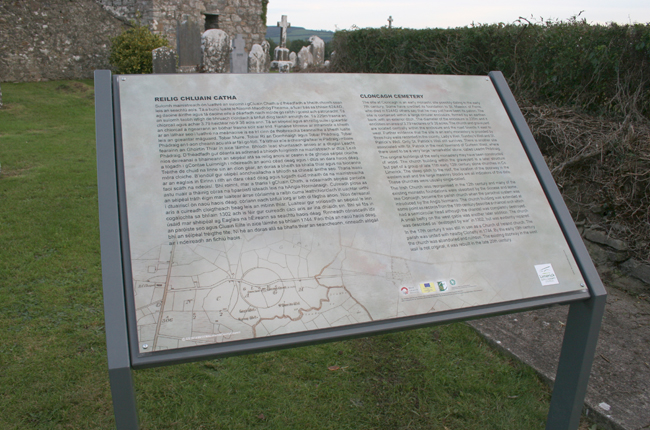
[[261, 205]]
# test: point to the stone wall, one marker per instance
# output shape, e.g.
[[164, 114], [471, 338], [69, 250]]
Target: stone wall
[[63, 39], [242, 17], [235, 17], [57, 39], [614, 260], [162, 16], [130, 10]]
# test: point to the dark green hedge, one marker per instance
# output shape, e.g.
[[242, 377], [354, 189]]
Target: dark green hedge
[[601, 69]]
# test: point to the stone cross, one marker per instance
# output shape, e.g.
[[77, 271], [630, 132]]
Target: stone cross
[[390, 21], [283, 32]]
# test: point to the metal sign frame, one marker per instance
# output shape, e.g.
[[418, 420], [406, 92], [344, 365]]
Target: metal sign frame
[[583, 325]]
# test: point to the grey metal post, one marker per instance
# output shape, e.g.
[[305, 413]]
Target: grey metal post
[[585, 317], [117, 342], [576, 358]]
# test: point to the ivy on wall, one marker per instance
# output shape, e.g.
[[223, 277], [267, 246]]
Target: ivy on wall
[[265, 4]]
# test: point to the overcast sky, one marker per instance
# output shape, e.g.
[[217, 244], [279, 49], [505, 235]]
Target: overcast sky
[[343, 14]]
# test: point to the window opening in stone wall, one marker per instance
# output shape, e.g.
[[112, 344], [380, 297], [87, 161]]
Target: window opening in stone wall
[[211, 21]]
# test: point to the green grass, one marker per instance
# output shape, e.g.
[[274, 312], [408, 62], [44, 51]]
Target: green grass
[[53, 372]]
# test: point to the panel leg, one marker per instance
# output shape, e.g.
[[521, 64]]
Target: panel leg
[[124, 407], [576, 358]]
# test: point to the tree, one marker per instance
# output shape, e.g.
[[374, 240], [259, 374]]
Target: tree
[[296, 45]]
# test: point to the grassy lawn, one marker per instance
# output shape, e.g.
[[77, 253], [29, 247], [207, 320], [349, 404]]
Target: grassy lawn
[[53, 372]]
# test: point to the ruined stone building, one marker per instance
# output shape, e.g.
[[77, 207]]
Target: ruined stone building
[[63, 39]]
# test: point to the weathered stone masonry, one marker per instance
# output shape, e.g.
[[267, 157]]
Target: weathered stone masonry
[[57, 39], [63, 39], [162, 16], [233, 16]]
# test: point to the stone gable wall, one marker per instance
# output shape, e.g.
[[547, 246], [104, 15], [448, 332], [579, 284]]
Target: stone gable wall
[[63, 39], [162, 16], [242, 17], [56, 39], [235, 17], [130, 10]]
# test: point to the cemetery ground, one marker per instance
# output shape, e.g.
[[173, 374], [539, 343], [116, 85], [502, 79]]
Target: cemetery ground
[[53, 371]]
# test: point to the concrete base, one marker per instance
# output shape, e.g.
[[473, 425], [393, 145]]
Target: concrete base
[[618, 396]]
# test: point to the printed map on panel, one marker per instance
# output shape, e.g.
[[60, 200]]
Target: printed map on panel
[[269, 284]]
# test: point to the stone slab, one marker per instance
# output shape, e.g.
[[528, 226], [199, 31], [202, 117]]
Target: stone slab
[[238, 56], [188, 43], [602, 238], [637, 269]]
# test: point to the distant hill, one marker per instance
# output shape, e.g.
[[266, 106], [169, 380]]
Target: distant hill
[[298, 33]]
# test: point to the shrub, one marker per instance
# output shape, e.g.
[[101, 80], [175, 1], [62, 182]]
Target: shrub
[[131, 50]]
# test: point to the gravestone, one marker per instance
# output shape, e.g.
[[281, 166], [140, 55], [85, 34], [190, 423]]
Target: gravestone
[[164, 60], [215, 45], [281, 53], [317, 49], [266, 46], [305, 58], [188, 44], [294, 60], [238, 57], [256, 59]]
